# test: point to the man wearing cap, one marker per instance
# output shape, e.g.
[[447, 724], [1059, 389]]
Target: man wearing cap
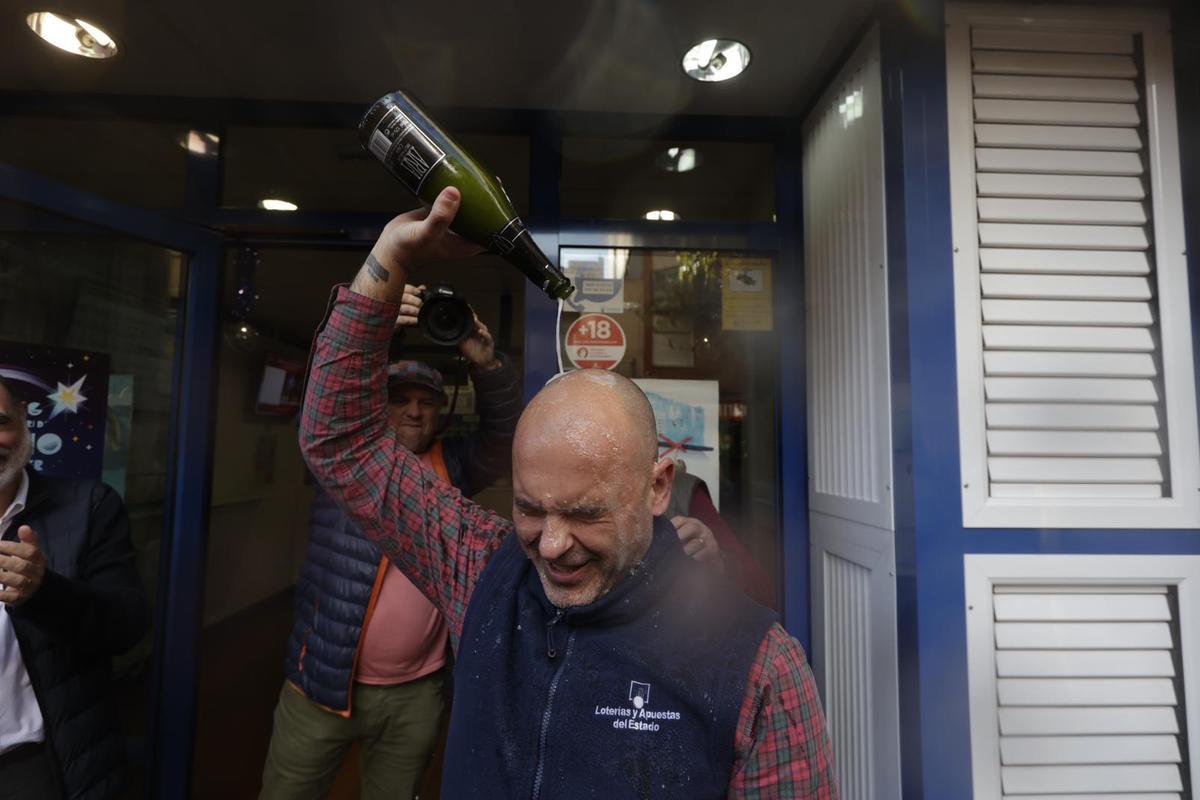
[[367, 655]]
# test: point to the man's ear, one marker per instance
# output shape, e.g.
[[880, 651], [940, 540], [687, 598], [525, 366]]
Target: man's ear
[[664, 476]]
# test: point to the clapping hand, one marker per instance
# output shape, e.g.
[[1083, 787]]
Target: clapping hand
[[22, 567]]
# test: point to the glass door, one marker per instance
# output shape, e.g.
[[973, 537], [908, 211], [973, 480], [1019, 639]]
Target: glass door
[[695, 329], [107, 317]]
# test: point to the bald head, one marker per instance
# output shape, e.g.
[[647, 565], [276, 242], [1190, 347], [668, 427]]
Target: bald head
[[596, 411]]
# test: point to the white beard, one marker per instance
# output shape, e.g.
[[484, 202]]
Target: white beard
[[12, 462]]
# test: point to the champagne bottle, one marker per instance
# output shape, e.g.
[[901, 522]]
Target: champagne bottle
[[422, 156]]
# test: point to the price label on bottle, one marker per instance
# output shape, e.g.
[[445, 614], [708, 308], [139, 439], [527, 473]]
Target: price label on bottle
[[595, 341]]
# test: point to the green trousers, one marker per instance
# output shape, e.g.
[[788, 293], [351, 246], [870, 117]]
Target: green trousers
[[396, 727]]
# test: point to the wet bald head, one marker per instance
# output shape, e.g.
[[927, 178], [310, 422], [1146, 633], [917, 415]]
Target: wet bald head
[[596, 412]]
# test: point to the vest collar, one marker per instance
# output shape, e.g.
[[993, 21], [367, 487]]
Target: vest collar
[[634, 593]]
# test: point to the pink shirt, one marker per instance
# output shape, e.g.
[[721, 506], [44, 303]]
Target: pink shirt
[[405, 636]]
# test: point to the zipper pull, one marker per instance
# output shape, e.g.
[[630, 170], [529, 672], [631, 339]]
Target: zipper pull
[[551, 649]]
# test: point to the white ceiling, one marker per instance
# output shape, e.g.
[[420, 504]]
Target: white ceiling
[[592, 55]]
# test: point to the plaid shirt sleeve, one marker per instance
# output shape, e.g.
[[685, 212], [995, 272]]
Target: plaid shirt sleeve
[[782, 749], [438, 538]]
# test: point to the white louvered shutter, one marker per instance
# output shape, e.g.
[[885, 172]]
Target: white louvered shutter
[[1086, 692], [1064, 404], [1082, 672]]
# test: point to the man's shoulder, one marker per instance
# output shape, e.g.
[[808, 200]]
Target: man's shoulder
[[55, 492], [781, 658], [711, 615]]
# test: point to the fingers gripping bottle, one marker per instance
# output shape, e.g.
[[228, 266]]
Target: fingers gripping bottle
[[422, 156]]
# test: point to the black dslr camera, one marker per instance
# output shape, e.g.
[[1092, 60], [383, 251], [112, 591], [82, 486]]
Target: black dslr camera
[[445, 317]]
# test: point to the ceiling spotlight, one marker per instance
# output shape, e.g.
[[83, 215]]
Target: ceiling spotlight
[[76, 36], [662, 215], [276, 204], [678, 159], [716, 60]]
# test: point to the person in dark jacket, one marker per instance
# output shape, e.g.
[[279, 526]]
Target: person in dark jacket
[[366, 659], [72, 600]]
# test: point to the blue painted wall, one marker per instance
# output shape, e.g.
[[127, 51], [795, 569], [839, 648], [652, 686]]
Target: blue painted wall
[[930, 538]]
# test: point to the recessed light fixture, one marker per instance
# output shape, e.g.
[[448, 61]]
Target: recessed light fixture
[[716, 60], [200, 142], [662, 215], [277, 204], [678, 159], [76, 36]]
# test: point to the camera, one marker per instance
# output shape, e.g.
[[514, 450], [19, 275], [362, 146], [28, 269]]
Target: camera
[[445, 317]]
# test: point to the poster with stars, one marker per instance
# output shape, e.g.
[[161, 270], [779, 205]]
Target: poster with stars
[[67, 396]]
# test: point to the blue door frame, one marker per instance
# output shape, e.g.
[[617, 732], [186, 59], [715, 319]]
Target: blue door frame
[[194, 229]]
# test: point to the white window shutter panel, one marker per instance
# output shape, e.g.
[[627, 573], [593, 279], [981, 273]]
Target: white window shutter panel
[[1076, 392], [1081, 676]]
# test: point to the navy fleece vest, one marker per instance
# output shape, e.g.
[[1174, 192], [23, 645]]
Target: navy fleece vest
[[634, 696]]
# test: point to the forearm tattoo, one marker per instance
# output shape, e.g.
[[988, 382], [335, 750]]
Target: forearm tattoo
[[377, 270]]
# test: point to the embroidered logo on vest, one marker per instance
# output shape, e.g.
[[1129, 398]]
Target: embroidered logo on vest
[[640, 717]]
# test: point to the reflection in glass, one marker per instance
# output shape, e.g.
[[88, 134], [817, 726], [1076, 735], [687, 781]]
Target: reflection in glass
[[696, 328], [67, 285], [261, 491], [134, 162], [336, 174], [698, 181]]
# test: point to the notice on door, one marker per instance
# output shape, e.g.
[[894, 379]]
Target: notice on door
[[746, 299], [595, 341]]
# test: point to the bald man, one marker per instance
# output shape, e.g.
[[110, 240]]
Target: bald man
[[594, 659]]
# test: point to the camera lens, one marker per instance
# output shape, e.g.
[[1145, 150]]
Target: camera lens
[[445, 317]]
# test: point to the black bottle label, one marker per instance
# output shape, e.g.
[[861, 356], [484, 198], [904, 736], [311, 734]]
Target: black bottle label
[[405, 149]]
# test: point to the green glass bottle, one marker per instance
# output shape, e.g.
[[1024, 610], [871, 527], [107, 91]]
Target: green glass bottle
[[422, 156]]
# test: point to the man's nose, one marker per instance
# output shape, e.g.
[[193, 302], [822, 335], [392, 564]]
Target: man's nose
[[555, 540]]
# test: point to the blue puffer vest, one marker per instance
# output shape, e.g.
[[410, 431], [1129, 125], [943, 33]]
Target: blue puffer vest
[[341, 567], [637, 695], [333, 595]]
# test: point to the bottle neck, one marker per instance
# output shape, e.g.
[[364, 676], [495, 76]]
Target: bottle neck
[[529, 258]]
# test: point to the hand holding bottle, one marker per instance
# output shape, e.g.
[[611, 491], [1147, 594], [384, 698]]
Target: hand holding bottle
[[407, 241]]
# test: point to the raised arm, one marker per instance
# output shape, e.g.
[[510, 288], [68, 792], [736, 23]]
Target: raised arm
[[438, 538]]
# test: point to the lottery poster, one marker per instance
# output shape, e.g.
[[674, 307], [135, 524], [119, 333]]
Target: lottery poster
[[66, 392]]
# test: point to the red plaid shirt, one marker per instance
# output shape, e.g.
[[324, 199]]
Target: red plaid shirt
[[442, 541]]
